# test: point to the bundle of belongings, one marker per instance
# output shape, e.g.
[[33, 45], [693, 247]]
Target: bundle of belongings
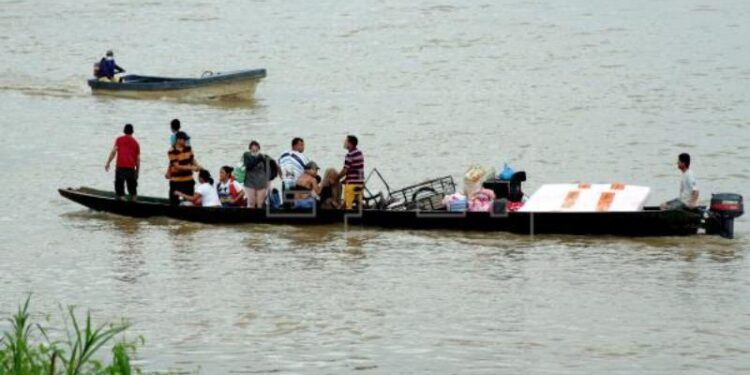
[[487, 191], [474, 197]]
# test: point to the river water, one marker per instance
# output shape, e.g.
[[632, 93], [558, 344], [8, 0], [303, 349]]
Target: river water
[[567, 90]]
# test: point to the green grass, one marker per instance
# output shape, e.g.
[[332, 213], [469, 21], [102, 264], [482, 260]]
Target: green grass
[[26, 349]]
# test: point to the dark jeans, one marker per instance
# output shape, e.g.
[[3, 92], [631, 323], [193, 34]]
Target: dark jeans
[[676, 204], [187, 187], [125, 176]]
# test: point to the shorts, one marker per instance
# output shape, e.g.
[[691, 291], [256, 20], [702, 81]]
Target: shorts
[[304, 203]]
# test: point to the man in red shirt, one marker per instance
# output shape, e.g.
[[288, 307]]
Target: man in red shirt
[[127, 165]]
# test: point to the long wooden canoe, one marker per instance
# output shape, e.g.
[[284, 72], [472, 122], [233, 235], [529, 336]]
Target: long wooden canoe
[[650, 222]]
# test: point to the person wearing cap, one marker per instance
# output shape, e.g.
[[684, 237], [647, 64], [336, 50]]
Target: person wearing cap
[[182, 164], [128, 153], [308, 187], [108, 68]]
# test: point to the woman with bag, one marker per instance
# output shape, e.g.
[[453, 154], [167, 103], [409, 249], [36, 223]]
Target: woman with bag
[[256, 177]]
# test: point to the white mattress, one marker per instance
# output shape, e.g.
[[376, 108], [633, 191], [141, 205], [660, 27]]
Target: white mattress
[[587, 198]]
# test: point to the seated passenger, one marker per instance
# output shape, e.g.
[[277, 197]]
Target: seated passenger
[[108, 68], [292, 164], [330, 190], [205, 194], [689, 192], [308, 187], [231, 192]]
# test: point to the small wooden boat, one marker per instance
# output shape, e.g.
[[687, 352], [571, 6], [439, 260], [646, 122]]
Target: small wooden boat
[[651, 221], [239, 85]]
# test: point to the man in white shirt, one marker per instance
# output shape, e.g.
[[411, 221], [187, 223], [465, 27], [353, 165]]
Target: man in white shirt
[[689, 192], [292, 164]]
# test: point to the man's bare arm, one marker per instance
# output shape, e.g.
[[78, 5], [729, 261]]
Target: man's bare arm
[[110, 158], [694, 198]]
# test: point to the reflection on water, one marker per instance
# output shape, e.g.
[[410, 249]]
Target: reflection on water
[[227, 104]]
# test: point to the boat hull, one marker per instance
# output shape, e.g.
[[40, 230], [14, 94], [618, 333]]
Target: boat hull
[[638, 224], [651, 222], [229, 86], [105, 201]]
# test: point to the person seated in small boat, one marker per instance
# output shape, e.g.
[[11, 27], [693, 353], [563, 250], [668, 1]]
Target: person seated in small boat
[[330, 190], [307, 187], [108, 69], [231, 192], [205, 194], [689, 192]]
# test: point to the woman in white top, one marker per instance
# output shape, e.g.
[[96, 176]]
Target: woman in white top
[[231, 192], [205, 193]]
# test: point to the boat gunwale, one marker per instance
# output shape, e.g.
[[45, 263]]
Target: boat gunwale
[[156, 201]]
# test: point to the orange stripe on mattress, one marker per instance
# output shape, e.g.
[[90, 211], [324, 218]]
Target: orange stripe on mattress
[[605, 201], [584, 185], [617, 186], [571, 199]]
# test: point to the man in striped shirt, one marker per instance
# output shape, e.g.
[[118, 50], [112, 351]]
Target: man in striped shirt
[[182, 164], [353, 173]]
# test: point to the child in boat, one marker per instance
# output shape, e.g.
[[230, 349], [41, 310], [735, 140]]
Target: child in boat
[[231, 192], [330, 190], [205, 194]]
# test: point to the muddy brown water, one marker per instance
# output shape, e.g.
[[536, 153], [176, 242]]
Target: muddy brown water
[[568, 91]]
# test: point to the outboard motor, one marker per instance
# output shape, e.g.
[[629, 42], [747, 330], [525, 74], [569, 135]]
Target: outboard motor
[[726, 207]]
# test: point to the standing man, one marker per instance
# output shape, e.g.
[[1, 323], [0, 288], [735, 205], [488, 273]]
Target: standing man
[[175, 125], [128, 163], [353, 173], [108, 68], [688, 187], [182, 164], [292, 164]]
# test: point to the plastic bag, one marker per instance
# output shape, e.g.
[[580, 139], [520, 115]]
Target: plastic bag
[[507, 173], [481, 201], [274, 198], [455, 202], [474, 177], [239, 173]]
